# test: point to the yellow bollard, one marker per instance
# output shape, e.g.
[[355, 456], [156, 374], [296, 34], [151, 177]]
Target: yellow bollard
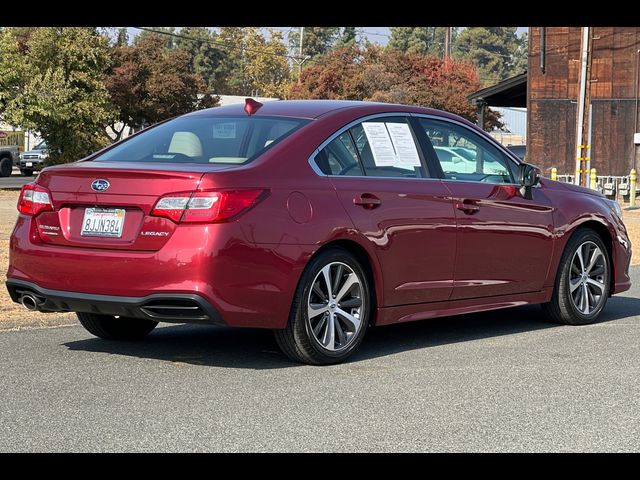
[[594, 179], [554, 173], [632, 188]]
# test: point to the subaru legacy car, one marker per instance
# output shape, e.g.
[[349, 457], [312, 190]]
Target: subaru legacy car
[[315, 219]]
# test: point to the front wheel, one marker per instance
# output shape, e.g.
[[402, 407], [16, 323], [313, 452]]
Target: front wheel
[[111, 328], [583, 282], [330, 311]]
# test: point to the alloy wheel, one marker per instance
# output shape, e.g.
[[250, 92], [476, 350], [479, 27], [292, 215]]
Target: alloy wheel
[[588, 278], [335, 306]]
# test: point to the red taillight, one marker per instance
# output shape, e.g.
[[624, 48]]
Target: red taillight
[[207, 207], [34, 199]]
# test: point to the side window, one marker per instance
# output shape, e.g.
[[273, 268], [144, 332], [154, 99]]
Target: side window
[[339, 157], [465, 155], [387, 148]]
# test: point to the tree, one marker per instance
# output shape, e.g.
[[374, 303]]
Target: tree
[[316, 41], [348, 38], [496, 51], [51, 80], [122, 37], [230, 77], [165, 33], [425, 40], [265, 63], [392, 76], [149, 82], [252, 65], [206, 57]]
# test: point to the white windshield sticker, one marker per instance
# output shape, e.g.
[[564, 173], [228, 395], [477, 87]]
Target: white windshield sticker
[[404, 145], [380, 143], [224, 130]]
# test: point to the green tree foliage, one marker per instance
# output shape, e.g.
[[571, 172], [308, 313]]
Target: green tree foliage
[[230, 77], [122, 37], [252, 65], [52, 80], [149, 82], [265, 63], [496, 51], [169, 41], [393, 76], [205, 55], [316, 41], [347, 38], [425, 40]]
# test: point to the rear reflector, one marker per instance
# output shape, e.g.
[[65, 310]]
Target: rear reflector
[[34, 199], [207, 207]]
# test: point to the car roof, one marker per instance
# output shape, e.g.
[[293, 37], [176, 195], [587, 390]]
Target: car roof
[[312, 109]]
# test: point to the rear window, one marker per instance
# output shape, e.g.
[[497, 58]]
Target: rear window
[[200, 139]]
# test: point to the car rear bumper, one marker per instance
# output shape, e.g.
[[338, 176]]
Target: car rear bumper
[[161, 307], [248, 285]]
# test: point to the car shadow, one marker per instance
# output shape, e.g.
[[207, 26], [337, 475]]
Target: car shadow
[[257, 349]]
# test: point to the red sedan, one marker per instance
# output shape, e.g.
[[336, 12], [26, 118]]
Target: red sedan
[[315, 219]]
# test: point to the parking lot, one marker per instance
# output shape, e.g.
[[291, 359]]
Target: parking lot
[[15, 181], [496, 381]]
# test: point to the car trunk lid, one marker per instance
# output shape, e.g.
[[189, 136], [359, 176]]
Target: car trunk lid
[[80, 212]]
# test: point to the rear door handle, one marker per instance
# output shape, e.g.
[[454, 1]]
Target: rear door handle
[[468, 206], [368, 201]]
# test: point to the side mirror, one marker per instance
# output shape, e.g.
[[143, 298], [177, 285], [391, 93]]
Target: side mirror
[[528, 177]]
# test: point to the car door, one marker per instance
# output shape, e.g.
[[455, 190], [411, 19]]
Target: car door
[[504, 240], [381, 179]]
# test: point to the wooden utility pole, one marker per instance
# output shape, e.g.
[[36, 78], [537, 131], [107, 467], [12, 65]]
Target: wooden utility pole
[[584, 100], [300, 57], [447, 43]]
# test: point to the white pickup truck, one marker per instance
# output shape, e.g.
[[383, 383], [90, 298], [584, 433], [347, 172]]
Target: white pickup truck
[[9, 155]]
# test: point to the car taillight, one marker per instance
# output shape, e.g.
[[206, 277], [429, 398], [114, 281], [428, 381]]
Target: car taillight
[[34, 199], [207, 207]]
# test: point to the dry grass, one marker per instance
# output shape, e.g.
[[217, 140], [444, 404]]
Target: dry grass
[[14, 316]]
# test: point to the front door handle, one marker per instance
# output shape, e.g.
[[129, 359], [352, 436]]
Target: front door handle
[[368, 201], [468, 206]]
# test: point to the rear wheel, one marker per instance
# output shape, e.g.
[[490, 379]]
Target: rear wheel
[[6, 165], [330, 311], [582, 286], [112, 328]]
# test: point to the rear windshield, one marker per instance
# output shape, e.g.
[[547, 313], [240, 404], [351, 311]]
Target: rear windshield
[[201, 139]]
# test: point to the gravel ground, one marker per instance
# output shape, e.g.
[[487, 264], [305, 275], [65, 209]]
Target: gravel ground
[[14, 317]]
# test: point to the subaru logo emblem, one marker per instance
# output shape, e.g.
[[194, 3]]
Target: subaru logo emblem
[[100, 185]]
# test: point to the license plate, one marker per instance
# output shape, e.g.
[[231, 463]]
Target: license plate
[[29, 164], [103, 222]]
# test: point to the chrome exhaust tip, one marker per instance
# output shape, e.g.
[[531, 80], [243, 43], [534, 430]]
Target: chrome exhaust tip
[[29, 302]]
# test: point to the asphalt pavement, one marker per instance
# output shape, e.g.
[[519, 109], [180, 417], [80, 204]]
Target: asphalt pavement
[[495, 381], [15, 181]]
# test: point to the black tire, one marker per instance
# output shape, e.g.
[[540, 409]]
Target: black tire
[[112, 328], [297, 340], [6, 165], [562, 308], [26, 172]]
